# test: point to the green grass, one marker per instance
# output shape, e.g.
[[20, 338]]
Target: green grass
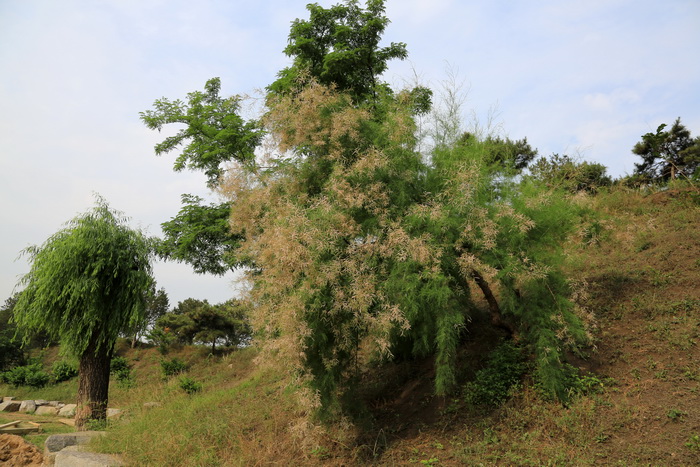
[[646, 305]]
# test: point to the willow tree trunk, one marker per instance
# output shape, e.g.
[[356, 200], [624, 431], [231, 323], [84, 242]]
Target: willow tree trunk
[[93, 385]]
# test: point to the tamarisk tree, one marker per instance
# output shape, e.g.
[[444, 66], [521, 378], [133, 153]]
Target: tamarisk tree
[[87, 284], [362, 248]]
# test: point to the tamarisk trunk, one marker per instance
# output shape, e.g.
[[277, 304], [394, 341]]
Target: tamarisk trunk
[[494, 309]]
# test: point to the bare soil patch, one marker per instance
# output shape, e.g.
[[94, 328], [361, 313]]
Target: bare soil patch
[[15, 451]]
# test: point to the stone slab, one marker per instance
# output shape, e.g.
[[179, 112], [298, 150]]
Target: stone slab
[[111, 413], [67, 410], [27, 406], [10, 406], [46, 410], [71, 458], [58, 442]]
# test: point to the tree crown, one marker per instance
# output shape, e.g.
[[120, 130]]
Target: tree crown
[[88, 282]]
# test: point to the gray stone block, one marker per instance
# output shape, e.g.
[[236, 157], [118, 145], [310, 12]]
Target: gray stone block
[[46, 410], [70, 458], [27, 406], [67, 410], [55, 443]]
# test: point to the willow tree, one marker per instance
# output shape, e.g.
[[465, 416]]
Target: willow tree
[[87, 284]]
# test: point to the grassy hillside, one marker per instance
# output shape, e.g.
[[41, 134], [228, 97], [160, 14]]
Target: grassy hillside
[[637, 404]]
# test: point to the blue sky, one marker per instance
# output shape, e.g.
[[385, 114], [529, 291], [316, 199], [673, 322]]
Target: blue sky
[[574, 77]]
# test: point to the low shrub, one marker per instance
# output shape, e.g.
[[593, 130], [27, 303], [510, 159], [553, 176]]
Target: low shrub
[[30, 375], [189, 385], [173, 367], [120, 367], [118, 364], [493, 384], [63, 371]]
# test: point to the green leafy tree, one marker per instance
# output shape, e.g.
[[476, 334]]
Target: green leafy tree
[[667, 154], [180, 324], [196, 321], [214, 134], [157, 304], [11, 353], [339, 46], [87, 284], [200, 235], [562, 171]]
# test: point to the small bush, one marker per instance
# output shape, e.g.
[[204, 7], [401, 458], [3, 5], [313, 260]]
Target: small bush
[[173, 367], [189, 385], [125, 379], [30, 375], [118, 365], [493, 383], [63, 371]]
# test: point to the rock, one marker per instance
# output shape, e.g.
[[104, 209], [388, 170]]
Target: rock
[[111, 413], [10, 406], [46, 410], [71, 458], [27, 406], [54, 403], [40, 402], [67, 410], [56, 443], [7, 398]]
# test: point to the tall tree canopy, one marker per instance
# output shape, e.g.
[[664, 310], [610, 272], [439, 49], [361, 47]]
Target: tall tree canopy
[[87, 284], [668, 154]]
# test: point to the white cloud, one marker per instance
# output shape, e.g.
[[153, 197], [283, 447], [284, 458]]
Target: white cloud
[[607, 102]]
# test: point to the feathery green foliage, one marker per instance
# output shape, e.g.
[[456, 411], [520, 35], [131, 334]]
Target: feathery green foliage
[[362, 248]]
